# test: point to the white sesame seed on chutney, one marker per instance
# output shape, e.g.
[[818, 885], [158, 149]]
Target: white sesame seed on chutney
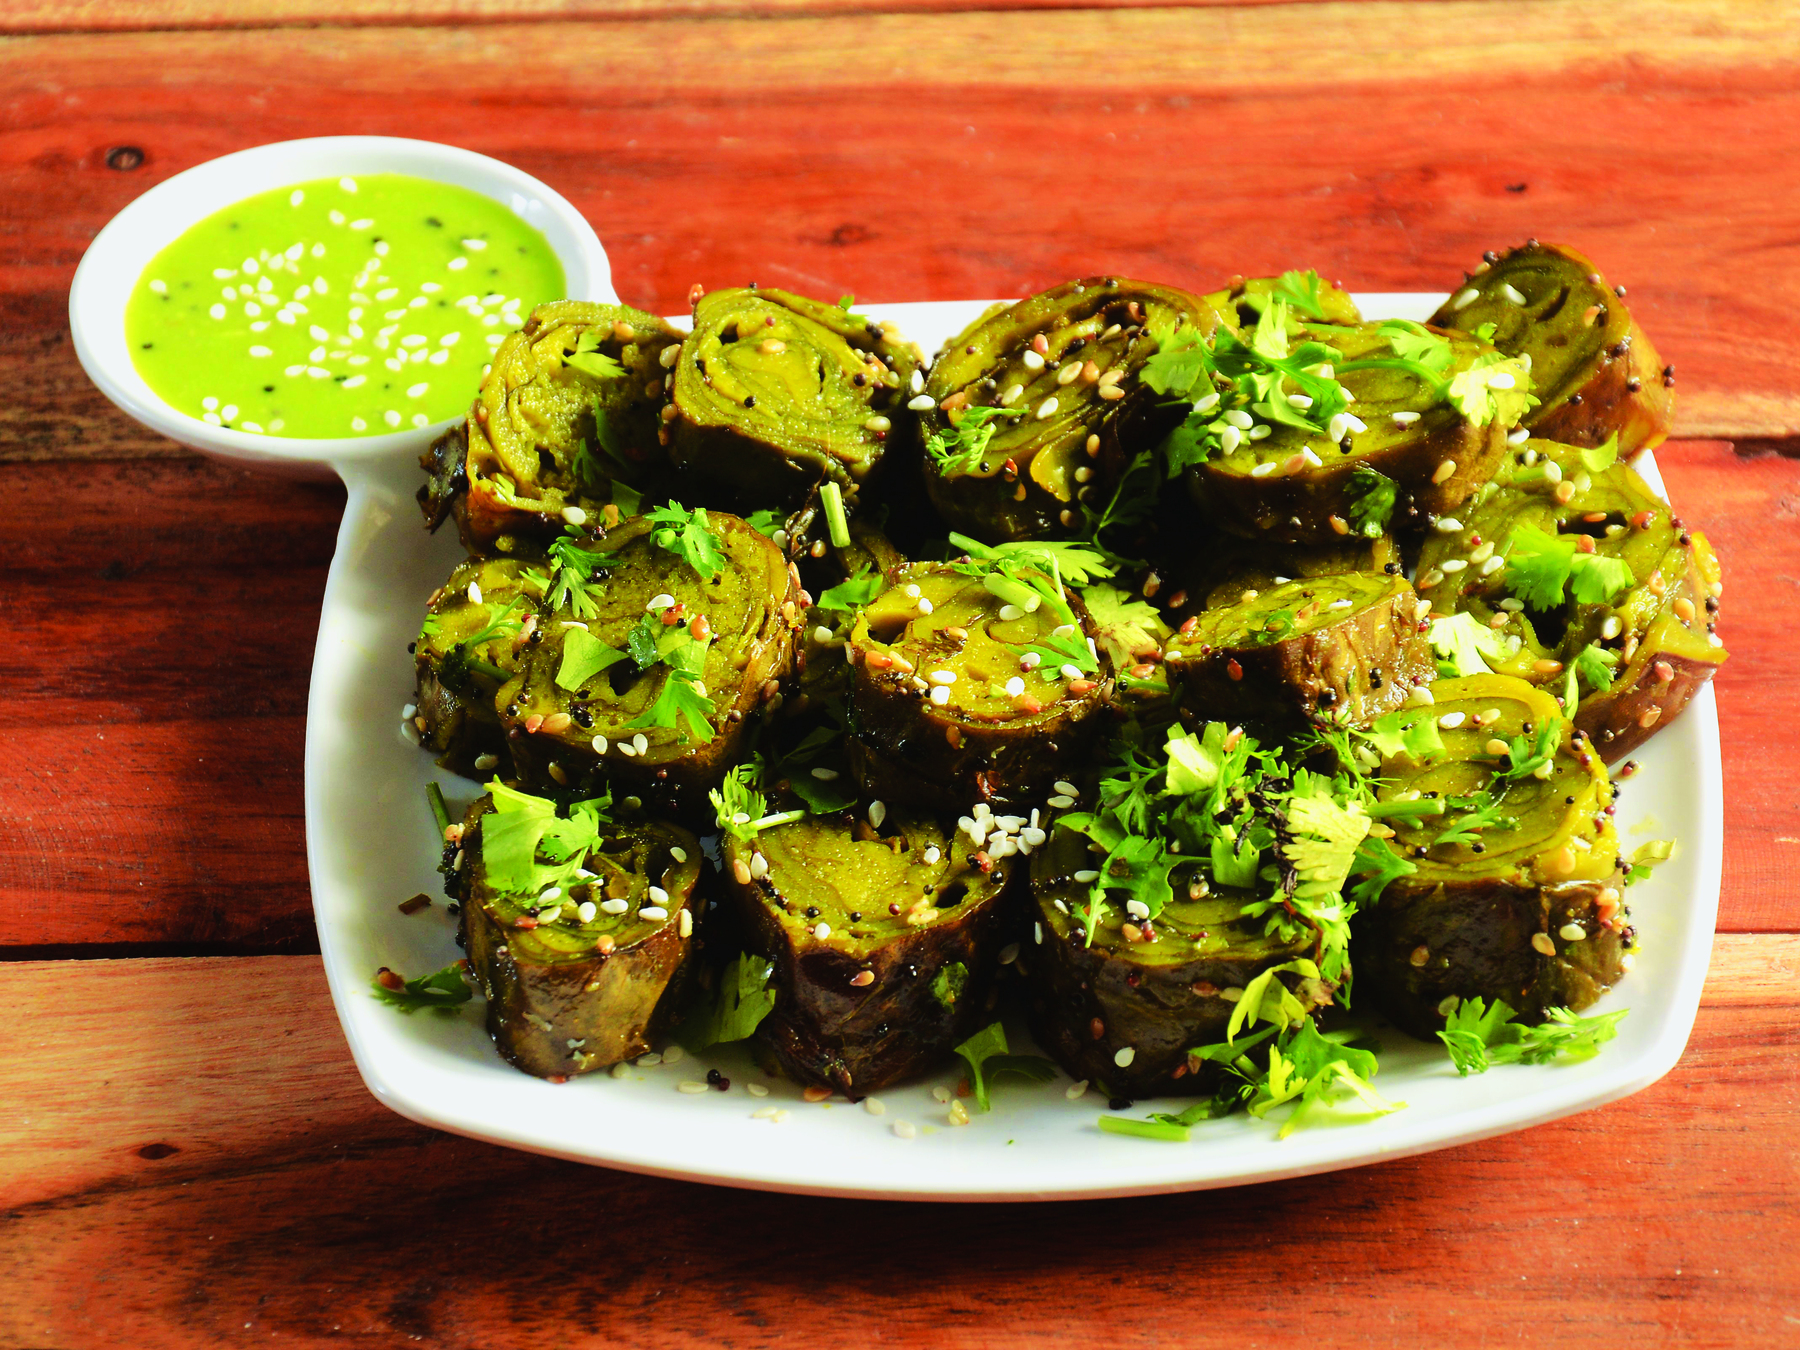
[[341, 307]]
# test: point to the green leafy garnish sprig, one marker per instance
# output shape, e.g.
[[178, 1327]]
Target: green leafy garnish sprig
[[688, 535], [446, 991], [987, 1057], [737, 1008], [590, 360], [1480, 1035], [958, 448], [739, 807], [529, 844], [1541, 569]]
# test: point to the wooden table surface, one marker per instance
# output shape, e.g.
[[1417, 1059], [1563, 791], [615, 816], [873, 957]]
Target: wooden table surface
[[187, 1156]]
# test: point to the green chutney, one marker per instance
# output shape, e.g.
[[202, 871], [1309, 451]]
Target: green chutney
[[342, 307]]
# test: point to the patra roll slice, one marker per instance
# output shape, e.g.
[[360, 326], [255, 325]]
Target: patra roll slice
[[1306, 433], [655, 648], [1037, 409], [467, 649], [884, 940], [1595, 373], [576, 928], [1346, 646], [775, 393], [1125, 1010], [1573, 564], [1513, 891], [971, 684], [569, 405]]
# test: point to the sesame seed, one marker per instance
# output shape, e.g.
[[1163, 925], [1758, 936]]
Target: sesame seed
[[1229, 439], [641, 743], [1450, 721], [649, 1061], [1075, 1091], [1420, 696], [1010, 612], [1124, 1056], [918, 382], [1512, 293], [1262, 470], [905, 1129], [940, 695], [1406, 419], [690, 1087], [1464, 299], [1541, 942], [574, 515], [1046, 409], [1033, 361], [1518, 436], [1240, 419], [921, 402]]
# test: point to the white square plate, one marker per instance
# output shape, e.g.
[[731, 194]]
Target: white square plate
[[370, 845]]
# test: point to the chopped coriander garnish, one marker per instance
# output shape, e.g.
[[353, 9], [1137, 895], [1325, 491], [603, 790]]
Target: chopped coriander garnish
[[590, 360], [583, 657], [1370, 499], [957, 449], [1540, 566], [1479, 1036], [737, 1008], [1465, 645], [446, 989], [687, 534]]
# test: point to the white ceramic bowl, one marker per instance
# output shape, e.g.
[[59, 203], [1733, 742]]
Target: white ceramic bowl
[[122, 250]]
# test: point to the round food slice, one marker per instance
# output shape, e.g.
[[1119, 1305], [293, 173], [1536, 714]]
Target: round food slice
[[1425, 427], [581, 973], [1514, 893], [1124, 1011], [775, 393], [1036, 409], [657, 645], [971, 684], [1595, 373], [568, 406], [1348, 647], [1573, 563], [884, 938], [467, 649]]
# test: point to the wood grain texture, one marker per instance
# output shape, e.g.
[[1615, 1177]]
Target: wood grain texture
[[221, 1174], [161, 622], [102, 16], [955, 155]]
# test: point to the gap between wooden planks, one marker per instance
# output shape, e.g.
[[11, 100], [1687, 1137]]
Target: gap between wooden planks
[[187, 1154], [100, 16]]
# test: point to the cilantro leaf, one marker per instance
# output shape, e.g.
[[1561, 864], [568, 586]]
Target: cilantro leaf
[[1123, 625], [987, 1056], [571, 570], [1074, 563], [590, 360], [527, 846], [852, 594], [1406, 731], [1180, 360], [583, 657], [681, 702], [737, 1008], [447, 989], [766, 523], [1479, 1036], [1468, 644], [958, 448], [643, 639], [1414, 342], [1377, 864], [1302, 291], [1369, 498], [1594, 666], [1066, 649], [1494, 388], [1538, 567], [739, 806], [1483, 813], [687, 534], [1598, 579], [1321, 1076]]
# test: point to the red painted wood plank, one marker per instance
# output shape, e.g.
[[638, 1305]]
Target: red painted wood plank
[[220, 1174]]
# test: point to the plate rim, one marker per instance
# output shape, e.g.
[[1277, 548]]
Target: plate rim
[[371, 486]]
